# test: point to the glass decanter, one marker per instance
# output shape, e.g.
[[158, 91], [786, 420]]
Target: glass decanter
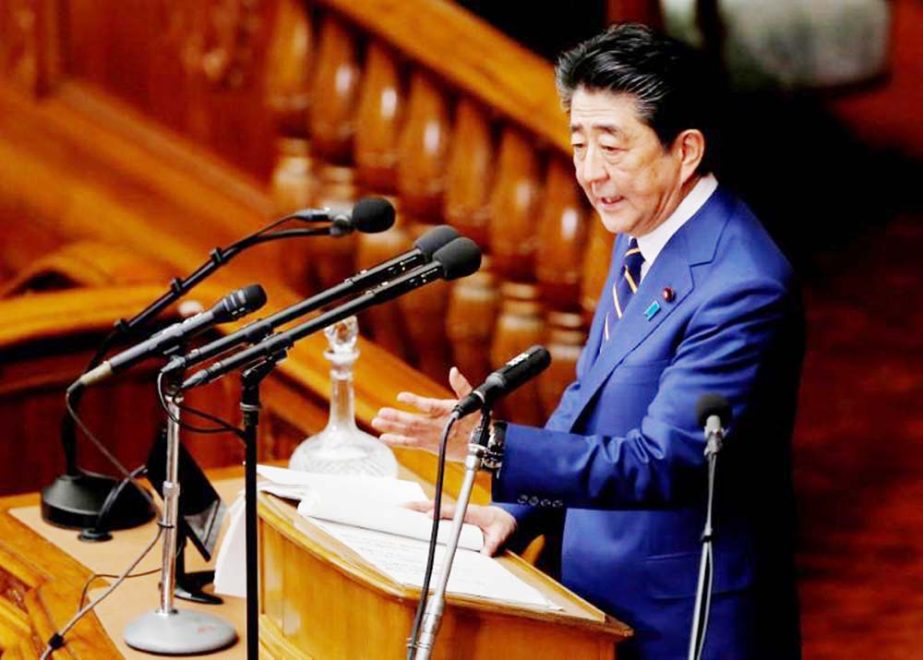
[[342, 448]]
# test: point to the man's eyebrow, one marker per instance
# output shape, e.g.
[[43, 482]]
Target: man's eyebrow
[[612, 129]]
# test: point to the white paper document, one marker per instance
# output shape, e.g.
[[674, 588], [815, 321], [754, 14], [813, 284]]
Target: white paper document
[[404, 560], [367, 502], [374, 503]]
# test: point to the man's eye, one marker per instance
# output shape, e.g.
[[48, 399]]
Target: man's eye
[[578, 146], [609, 148]]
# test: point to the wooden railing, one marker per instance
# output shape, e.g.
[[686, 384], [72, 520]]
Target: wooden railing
[[312, 103]]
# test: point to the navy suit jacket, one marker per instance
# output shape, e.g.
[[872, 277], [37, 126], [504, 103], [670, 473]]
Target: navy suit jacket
[[622, 456]]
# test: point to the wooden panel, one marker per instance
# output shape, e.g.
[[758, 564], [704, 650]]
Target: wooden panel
[[321, 593], [276, 89]]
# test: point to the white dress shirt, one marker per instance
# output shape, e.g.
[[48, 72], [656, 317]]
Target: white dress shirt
[[651, 244]]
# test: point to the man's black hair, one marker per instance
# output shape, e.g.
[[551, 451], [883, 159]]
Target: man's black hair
[[672, 85]]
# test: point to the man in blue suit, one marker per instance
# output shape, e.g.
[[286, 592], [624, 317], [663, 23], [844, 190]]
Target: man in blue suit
[[699, 300]]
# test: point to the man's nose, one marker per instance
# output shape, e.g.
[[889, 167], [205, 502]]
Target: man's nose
[[592, 167]]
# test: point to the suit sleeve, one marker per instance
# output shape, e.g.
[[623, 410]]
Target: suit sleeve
[[728, 346]]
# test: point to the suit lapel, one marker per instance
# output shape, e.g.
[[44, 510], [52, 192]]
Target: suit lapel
[[673, 269]]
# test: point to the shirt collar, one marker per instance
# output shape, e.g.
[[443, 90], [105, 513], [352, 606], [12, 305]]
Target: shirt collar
[[651, 244]]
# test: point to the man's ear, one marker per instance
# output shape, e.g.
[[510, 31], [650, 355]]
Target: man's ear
[[689, 147]]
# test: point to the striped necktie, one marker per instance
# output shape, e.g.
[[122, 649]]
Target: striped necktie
[[625, 285]]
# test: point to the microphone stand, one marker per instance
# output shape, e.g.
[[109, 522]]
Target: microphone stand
[[435, 606], [250, 406], [713, 444], [76, 498], [167, 630]]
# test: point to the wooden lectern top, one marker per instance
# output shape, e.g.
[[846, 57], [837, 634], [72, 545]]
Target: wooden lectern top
[[319, 598]]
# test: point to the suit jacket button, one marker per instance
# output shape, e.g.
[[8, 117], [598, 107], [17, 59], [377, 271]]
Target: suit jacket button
[[546, 502], [523, 499], [558, 504], [533, 500]]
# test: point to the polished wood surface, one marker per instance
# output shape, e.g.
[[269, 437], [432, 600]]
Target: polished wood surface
[[253, 109], [322, 600], [319, 599]]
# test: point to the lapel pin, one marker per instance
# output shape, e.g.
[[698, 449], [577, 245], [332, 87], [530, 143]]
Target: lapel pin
[[652, 310], [668, 294]]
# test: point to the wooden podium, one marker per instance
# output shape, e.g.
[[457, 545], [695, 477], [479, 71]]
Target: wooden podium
[[321, 600]]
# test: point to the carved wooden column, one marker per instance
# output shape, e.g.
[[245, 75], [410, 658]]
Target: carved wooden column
[[30, 48], [475, 301], [520, 325], [513, 229], [423, 150], [381, 109], [288, 71], [595, 265], [513, 235], [562, 236], [288, 75], [471, 322], [566, 336], [332, 117], [470, 173]]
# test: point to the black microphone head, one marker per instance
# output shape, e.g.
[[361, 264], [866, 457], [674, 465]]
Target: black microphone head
[[458, 258], [434, 239], [240, 303], [372, 215], [713, 404], [523, 367]]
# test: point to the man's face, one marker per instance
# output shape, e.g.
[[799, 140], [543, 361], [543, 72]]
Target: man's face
[[632, 181]]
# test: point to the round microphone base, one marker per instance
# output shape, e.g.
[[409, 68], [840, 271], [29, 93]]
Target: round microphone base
[[76, 500], [179, 633]]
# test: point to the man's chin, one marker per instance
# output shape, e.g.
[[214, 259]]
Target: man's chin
[[615, 223]]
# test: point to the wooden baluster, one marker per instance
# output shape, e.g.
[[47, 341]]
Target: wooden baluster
[[595, 265], [423, 149], [288, 68], [474, 304], [293, 187], [333, 259], [562, 238], [513, 235], [331, 125], [334, 93], [520, 326], [288, 81], [566, 337], [472, 315], [381, 105], [469, 173]]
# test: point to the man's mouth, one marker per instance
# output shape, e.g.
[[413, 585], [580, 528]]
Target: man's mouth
[[609, 200]]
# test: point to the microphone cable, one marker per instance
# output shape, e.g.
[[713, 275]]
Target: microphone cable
[[433, 539], [56, 641], [126, 475], [221, 425]]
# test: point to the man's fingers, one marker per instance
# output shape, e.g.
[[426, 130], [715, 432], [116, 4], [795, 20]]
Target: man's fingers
[[459, 383], [398, 440], [433, 407], [425, 506], [389, 419]]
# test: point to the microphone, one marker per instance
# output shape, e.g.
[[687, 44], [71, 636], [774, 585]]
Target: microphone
[[714, 414], [504, 380], [422, 253], [459, 258], [233, 306], [370, 215]]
